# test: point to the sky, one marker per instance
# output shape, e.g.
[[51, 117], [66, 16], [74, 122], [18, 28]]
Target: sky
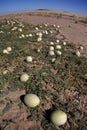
[[73, 6]]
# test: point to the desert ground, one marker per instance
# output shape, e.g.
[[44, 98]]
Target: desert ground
[[59, 79]]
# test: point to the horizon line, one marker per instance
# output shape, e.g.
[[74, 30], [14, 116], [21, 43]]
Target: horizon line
[[23, 11]]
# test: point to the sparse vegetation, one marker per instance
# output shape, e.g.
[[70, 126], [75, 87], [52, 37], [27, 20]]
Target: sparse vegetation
[[60, 83]]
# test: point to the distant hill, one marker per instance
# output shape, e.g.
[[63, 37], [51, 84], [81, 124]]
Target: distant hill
[[43, 12], [43, 9]]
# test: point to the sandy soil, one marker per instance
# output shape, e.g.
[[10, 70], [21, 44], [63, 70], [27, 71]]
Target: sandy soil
[[74, 32]]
